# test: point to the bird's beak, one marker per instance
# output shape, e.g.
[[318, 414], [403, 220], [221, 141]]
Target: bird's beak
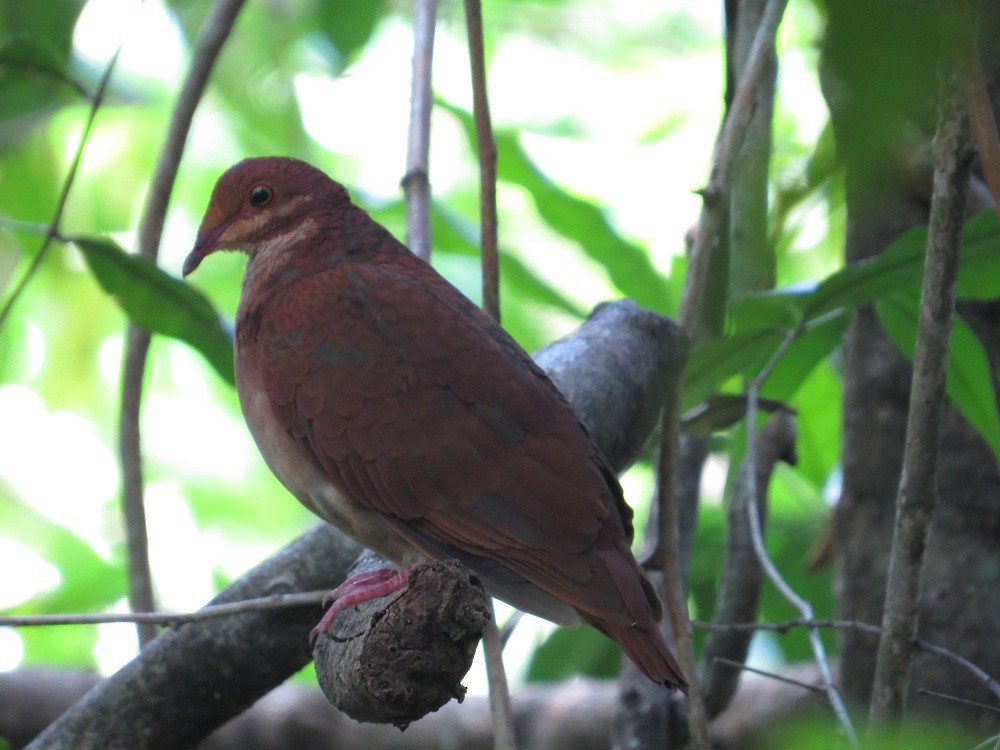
[[206, 244]]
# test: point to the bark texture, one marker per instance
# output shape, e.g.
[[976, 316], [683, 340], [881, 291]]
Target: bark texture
[[410, 649]]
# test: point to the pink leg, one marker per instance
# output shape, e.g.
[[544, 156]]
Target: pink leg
[[358, 589]]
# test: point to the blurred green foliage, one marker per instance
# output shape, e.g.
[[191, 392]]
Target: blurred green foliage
[[63, 339]]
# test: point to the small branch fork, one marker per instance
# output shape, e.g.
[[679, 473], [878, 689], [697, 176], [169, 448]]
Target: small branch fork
[[981, 676], [757, 538], [702, 307]]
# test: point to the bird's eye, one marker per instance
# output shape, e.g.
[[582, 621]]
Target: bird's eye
[[260, 195]]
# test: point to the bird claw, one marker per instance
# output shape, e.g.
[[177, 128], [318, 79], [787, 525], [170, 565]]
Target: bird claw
[[357, 589]]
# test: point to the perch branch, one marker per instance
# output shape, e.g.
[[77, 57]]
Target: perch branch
[[214, 32], [416, 181], [918, 480]]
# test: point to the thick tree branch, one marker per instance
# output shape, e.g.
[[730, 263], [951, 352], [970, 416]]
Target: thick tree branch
[[192, 679], [918, 482], [574, 715], [212, 36]]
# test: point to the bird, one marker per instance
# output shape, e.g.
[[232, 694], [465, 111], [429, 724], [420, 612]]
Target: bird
[[393, 407]]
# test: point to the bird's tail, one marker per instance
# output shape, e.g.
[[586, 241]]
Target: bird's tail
[[644, 645], [636, 628]]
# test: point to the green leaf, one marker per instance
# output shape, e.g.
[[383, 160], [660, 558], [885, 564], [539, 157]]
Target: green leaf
[[979, 265], [970, 383], [628, 265], [349, 24], [775, 308], [158, 303], [572, 651], [34, 56], [901, 265], [713, 363], [722, 411]]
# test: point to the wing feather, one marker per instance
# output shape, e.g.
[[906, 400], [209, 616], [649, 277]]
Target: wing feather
[[417, 406]]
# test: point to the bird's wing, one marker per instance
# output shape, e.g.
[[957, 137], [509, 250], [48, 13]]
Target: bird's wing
[[416, 405]]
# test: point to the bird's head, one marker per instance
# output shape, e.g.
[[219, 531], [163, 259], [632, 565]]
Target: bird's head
[[260, 202]]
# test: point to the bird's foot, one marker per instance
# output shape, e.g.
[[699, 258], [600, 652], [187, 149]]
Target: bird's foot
[[357, 589]]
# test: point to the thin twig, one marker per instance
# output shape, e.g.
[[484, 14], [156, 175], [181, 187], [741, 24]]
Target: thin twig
[[282, 601], [918, 480], [487, 149], [772, 675], [416, 182], [756, 536], [981, 676], [992, 742], [262, 604], [54, 228], [30, 227], [957, 699], [214, 32], [673, 574], [509, 626], [500, 708], [503, 718]]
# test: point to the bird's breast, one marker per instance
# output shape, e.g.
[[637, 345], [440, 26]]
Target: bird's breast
[[288, 460]]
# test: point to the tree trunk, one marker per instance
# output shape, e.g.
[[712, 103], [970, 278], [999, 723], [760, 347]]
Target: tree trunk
[[879, 79]]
